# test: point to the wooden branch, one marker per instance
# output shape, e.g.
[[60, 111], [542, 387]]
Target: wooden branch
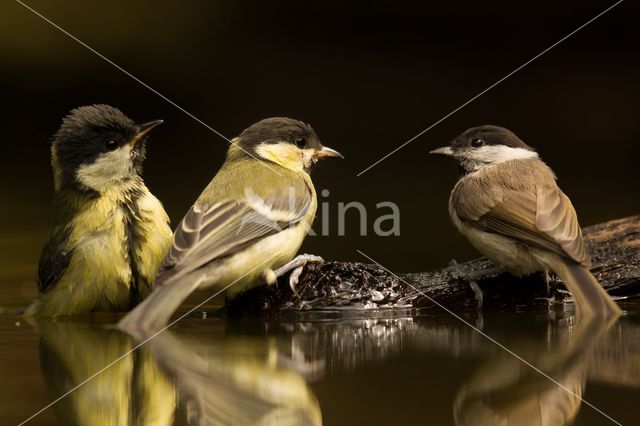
[[344, 286]]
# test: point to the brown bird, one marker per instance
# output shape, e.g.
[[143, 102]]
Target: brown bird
[[509, 206]]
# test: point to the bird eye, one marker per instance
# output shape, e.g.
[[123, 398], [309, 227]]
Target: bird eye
[[477, 142], [111, 145], [301, 142]]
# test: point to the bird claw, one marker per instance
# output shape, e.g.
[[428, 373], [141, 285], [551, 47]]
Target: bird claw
[[477, 291], [455, 270], [296, 266], [471, 278], [294, 278]]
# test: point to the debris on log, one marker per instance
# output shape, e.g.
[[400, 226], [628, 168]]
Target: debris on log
[[345, 286]]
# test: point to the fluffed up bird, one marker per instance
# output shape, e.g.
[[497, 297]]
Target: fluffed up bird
[[247, 224], [508, 205], [109, 234]]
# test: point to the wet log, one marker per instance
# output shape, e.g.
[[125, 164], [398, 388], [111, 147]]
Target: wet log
[[345, 286]]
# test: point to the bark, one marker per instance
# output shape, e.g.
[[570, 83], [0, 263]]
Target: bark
[[346, 286]]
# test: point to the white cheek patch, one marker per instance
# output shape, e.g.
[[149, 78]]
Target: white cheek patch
[[477, 158], [108, 168], [285, 154]]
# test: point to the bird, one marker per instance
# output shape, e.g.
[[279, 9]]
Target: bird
[[108, 232], [248, 223], [507, 203]]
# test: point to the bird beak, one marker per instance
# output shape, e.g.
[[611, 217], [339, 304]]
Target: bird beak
[[145, 128], [327, 152], [445, 151]]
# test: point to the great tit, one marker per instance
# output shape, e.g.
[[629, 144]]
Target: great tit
[[109, 233], [509, 206], [247, 224]]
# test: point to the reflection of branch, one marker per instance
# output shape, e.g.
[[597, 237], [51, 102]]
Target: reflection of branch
[[346, 344], [615, 359], [614, 246], [321, 346]]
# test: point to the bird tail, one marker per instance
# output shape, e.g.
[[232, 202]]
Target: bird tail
[[154, 312], [590, 298]]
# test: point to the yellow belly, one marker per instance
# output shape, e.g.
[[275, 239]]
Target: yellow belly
[[99, 274], [244, 270]]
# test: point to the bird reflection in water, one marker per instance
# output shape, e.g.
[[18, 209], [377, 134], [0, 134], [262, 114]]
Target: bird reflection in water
[[239, 382], [235, 373], [506, 391], [133, 391], [236, 381]]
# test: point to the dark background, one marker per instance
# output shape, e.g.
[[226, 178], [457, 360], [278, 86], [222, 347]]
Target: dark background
[[368, 75]]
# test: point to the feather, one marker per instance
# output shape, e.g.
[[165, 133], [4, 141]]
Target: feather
[[246, 209], [531, 209], [206, 234]]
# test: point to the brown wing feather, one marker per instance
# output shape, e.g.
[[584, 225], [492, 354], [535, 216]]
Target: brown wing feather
[[556, 217], [544, 218]]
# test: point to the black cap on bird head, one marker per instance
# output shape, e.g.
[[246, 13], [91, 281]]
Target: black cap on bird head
[[98, 145], [482, 146], [488, 135], [284, 141]]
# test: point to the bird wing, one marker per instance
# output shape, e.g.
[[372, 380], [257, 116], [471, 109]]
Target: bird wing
[[556, 217], [210, 232], [544, 218], [54, 259]]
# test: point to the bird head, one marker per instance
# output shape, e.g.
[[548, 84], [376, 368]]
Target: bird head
[[98, 146], [290, 143], [482, 146]]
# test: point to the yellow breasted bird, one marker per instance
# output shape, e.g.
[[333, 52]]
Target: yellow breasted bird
[[247, 224], [109, 233]]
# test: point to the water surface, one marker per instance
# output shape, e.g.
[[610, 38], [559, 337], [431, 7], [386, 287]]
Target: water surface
[[385, 368]]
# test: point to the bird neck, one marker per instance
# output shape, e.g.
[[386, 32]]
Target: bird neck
[[119, 191]]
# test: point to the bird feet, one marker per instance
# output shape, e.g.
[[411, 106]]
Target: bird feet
[[477, 291], [296, 266], [472, 278]]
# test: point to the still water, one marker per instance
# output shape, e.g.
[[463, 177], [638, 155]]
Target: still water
[[383, 368]]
